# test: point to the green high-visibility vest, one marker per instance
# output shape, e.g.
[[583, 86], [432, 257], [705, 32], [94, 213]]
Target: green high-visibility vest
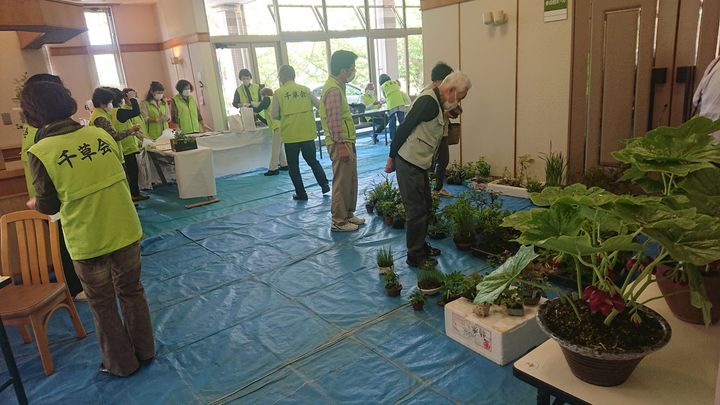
[[369, 101], [347, 129], [28, 140], [187, 114], [128, 145], [254, 94], [394, 96], [100, 112], [297, 122], [154, 129], [272, 123], [96, 209]]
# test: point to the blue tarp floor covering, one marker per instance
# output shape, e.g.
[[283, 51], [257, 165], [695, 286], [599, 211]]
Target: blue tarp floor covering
[[255, 301]]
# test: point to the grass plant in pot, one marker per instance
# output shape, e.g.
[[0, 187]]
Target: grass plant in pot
[[462, 215], [604, 329], [554, 169], [682, 165], [417, 299], [392, 284], [430, 280], [384, 258]]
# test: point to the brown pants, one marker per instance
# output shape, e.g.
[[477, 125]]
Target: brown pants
[[344, 184], [118, 274]]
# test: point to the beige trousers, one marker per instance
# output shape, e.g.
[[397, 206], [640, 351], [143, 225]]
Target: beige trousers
[[277, 157], [344, 184]]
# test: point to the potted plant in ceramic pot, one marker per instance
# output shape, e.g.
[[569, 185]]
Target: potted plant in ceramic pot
[[384, 258], [417, 299], [462, 215], [604, 329], [681, 164], [392, 284]]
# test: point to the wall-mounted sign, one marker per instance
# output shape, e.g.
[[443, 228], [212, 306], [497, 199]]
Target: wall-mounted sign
[[556, 10]]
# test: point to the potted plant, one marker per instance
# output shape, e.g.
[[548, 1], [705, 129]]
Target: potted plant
[[681, 164], [399, 216], [417, 299], [534, 186], [370, 201], [392, 284], [492, 238], [439, 229], [554, 169], [452, 288], [388, 209], [453, 174], [604, 329], [384, 258], [514, 186], [383, 192], [512, 301], [182, 142], [430, 281], [482, 310], [462, 214]]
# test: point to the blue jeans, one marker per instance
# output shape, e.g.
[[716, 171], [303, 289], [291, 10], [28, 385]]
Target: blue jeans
[[395, 115]]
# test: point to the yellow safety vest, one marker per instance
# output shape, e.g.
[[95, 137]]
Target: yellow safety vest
[[154, 129], [130, 144], [187, 114], [28, 140], [348, 126], [272, 123], [297, 121], [254, 94], [96, 209]]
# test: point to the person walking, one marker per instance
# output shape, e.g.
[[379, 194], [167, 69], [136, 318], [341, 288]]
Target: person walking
[[278, 159], [293, 106]]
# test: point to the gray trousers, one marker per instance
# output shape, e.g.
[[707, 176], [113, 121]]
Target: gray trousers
[[122, 344], [415, 191]]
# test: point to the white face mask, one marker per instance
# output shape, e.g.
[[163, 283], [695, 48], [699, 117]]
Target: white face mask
[[246, 82], [186, 92], [351, 77], [108, 108], [158, 96], [371, 92], [448, 106]]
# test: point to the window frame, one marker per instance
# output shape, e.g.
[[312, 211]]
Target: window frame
[[113, 48]]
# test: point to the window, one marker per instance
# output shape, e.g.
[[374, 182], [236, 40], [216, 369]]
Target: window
[[415, 62], [345, 15], [385, 13], [241, 17], [359, 46], [104, 48], [390, 59], [413, 16], [300, 15], [310, 61]]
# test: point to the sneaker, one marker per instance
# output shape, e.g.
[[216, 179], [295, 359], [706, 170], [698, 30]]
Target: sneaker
[[272, 172], [140, 197], [284, 168], [81, 296], [356, 220], [303, 197], [325, 188], [431, 251], [422, 262], [344, 227], [442, 193]]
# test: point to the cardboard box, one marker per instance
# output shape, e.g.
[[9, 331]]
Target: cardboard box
[[499, 337]]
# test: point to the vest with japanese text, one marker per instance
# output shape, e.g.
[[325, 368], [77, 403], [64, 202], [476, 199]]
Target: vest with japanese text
[[297, 121], [96, 209], [394, 97]]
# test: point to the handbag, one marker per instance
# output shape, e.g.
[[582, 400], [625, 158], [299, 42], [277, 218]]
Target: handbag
[[454, 133]]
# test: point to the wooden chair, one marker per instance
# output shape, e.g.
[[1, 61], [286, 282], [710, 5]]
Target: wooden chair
[[27, 240]]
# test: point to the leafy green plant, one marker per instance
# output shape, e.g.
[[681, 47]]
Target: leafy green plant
[[554, 169], [479, 169], [524, 162], [534, 186], [417, 297], [399, 211], [462, 215], [387, 208], [391, 280], [429, 278], [454, 173], [384, 257], [454, 285]]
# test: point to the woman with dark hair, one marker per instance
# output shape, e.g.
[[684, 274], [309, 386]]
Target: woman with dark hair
[[78, 171], [125, 116], [184, 111], [29, 135], [155, 110], [104, 99]]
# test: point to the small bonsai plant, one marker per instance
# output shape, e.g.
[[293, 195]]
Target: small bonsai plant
[[384, 258], [392, 284], [430, 281], [417, 299], [512, 301]]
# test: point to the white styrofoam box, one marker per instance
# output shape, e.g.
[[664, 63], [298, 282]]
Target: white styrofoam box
[[507, 190], [499, 337]]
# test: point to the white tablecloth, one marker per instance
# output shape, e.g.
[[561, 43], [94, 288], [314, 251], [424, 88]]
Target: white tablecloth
[[238, 152], [193, 172]]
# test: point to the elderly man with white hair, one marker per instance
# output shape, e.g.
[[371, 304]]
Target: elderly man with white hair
[[411, 154]]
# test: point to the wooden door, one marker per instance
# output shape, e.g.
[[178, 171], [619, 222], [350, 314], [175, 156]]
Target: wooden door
[[635, 67]]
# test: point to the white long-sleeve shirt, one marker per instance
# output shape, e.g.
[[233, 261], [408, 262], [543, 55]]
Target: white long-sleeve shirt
[[707, 96]]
